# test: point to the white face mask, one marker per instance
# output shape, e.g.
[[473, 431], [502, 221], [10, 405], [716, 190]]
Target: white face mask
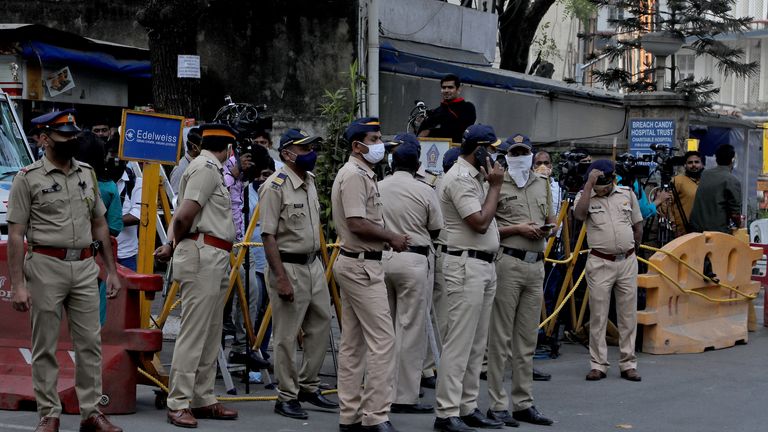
[[375, 153], [519, 168]]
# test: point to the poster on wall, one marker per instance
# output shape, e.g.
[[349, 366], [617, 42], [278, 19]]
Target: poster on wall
[[59, 81], [432, 151]]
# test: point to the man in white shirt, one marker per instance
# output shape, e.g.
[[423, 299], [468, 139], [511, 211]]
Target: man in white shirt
[[193, 140], [129, 188]]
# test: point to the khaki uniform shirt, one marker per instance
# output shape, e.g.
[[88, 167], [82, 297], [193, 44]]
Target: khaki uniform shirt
[[356, 194], [290, 210], [461, 194], [56, 207], [610, 219], [410, 207], [203, 182], [531, 203]]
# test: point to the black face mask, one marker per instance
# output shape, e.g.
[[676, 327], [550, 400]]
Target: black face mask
[[481, 157], [65, 150], [694, 174]]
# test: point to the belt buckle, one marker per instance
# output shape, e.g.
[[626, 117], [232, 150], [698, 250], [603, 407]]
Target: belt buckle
[[621, 257], [72, 254], [531, 257]]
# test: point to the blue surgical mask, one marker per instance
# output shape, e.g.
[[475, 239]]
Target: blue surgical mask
[[306, 162]]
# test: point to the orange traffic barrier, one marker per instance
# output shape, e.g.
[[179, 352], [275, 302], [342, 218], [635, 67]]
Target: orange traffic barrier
[[687, 312]]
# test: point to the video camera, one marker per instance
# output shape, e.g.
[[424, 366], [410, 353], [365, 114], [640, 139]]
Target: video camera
[[572, 170], [628, 167], [664, 156], [246, 119]]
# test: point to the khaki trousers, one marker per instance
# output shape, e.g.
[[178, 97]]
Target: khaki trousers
[[435, 294], [470, 285], [310, 312], [367, 348], [203, 277], [514, 331], [70, 286], [407, 291], [604, 277]]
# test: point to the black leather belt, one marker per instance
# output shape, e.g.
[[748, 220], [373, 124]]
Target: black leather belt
[[293, 258], [523, 255], [373, 256], [421, 250], [471, 253], [612, 257]]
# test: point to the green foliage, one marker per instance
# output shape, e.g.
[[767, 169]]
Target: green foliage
[[700, 22], [545, 44], [337, 109], [583, 10]]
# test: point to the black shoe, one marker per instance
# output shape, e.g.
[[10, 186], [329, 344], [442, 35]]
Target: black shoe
[[429, 382], [477, 419], [502, 416], [291, 409], [531, 415], [416, 408], [381, 427], [451, 424], [317, 399], [253, 361], [354, 427], [484, 376], [541, 375]]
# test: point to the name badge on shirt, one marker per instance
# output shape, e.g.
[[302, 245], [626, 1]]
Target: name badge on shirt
[[55, 188], [298, 206]]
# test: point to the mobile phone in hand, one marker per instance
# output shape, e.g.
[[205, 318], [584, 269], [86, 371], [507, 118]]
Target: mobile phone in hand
[[547, 227]]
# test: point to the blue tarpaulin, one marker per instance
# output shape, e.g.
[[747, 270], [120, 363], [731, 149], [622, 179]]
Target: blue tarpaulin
[[90, 59], [397, 61]]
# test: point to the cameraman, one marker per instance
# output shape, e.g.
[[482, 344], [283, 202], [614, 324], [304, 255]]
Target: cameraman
[[626, 177], [454, 114], [686, 185]]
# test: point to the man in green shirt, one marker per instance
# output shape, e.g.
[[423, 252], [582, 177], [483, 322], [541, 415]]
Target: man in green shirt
[[718, 199]]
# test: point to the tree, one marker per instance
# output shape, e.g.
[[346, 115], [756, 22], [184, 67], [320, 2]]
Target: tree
[[172, 30], [518, 22], [700, 21]]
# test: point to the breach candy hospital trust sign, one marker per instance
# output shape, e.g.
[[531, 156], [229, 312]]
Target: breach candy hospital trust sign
[[151, 137], [646, 131]]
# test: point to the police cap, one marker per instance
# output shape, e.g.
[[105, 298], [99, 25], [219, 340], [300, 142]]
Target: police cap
[[362, 125], [62, 122]]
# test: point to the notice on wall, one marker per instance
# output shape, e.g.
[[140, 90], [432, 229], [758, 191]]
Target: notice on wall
[[188, 66], [643, 132], [59, 81]]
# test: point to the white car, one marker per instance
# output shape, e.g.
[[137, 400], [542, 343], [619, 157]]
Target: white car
[[14, 155]]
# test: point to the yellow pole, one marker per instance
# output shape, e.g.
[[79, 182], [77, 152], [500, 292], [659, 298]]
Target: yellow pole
[[147, 230]]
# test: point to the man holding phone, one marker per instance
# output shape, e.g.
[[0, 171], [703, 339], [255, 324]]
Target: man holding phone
[[525, 219]]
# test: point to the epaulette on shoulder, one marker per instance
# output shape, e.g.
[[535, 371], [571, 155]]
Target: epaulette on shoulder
[[362, 171], [624, 188], [31, 167], [211, 164], [85, 165], [279, 180]]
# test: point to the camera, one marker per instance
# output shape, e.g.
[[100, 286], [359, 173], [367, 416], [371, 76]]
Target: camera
[[666, 160], [572, 170], [629, 168], [246, 119]]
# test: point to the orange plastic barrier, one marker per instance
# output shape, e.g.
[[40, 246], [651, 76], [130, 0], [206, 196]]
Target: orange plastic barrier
[[684, 322]]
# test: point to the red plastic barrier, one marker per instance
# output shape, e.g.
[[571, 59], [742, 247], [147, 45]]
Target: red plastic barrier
[[122, 342], [763, 279]]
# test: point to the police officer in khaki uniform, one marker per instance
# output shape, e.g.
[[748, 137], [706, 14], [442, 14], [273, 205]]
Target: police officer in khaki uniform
[[472, 241], [367, 349], [614, 232], [290, 230], [55, 202], [437, 288], [410, 208], [202, 233], [523, 214]]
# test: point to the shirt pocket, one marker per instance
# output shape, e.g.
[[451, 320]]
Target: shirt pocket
[[599, 216], [625, 213], [54, 207], [297, 216]]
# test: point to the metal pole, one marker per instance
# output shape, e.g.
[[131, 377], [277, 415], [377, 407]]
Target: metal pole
[[373, 58]]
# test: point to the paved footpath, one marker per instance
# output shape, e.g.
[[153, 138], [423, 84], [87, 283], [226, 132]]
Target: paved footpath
[[724, 390]]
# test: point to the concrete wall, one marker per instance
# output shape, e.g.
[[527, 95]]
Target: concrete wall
[[283, 54], [440, 23]]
